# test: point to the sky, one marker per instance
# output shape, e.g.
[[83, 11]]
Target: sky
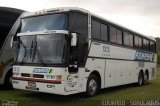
[[142, 16]]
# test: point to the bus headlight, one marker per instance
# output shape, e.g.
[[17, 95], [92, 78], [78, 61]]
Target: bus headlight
[[54, 77], [16, 69], [15, 74]]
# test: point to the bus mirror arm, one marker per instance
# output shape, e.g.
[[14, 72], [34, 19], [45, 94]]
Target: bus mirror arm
[[11, 41]]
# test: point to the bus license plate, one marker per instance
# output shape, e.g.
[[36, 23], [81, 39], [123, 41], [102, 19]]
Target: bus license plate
[[31, 84]]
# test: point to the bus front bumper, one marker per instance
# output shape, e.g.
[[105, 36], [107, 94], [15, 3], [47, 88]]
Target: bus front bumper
[[58, 88]]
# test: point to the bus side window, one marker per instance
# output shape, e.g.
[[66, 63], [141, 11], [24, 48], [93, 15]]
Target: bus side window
[[137, 42], [145, 44], [128, 39], [96, 30], [104, 32], [82, 49]]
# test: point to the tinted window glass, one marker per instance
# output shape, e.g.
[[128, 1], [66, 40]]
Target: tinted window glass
[[128, 39], [82, 46], [140, 42], [79, 23], [137, 42], [95, 29], [113, 34], [145, 44], [131, 40], [104, 32], [119, 37]]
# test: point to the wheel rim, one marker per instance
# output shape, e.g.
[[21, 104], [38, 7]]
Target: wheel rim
[[92, 86]]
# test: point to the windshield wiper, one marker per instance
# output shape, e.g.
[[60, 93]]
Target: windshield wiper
[[31, 50], [35, 51], [25, 53]]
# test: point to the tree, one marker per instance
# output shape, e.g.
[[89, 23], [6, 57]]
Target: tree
[[158, 49]]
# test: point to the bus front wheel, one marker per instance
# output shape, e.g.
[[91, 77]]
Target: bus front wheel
[[8, 80], [92, 86]]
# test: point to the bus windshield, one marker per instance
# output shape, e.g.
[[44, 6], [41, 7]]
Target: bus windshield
[[57, 21], [47, 49]]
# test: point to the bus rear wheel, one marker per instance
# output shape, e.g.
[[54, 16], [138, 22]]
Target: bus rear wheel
[[92, 86], [146, 78]]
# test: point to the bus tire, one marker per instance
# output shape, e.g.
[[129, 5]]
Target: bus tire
[[8, 80], [140, 78], [146, 78], [92, 86]]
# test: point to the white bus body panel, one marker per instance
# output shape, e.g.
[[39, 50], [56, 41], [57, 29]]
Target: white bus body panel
[[119, 64]]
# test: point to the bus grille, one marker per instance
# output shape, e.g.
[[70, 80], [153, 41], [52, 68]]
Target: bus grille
[[25, 75], [32, 75], [38, 76]]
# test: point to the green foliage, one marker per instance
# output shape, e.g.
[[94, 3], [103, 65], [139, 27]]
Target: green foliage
[[158, 59], [158, 49], [158, 45]]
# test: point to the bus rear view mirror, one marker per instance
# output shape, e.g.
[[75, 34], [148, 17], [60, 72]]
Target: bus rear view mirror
[[73, 39]]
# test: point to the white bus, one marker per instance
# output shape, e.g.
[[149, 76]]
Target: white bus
[[70, 50]]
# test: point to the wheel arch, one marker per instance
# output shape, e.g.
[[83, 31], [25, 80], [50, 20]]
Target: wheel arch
[[147, 71], [95, 72], [6, 71], [141, 71]]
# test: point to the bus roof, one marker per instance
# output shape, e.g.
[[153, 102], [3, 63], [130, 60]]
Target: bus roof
[[63, 9]]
